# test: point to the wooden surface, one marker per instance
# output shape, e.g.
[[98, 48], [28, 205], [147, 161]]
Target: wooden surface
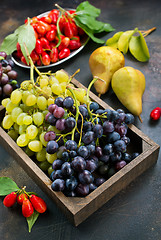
[[134, 213]]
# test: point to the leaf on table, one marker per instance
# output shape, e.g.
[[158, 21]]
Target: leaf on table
[[7, 185], [113, 42], [31, 220]]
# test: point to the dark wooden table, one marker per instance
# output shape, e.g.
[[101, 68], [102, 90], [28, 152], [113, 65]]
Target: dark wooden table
[[135, 213]]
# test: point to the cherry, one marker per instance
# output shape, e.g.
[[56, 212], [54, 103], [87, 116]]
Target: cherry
[[38, 203], [155, 113], [10, 199]]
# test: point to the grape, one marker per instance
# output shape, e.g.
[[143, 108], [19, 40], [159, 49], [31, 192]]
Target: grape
[[38, 118], [58, 185], [80, 94], [12, 74], [111, 172], [82, 190], [72, 154], [68, 102], [99, 111], [129, 118], [120, 146], [49, 100], [78, 164], [10, 106], [51, 157], [91, 165], [70, 123], [57, 164], [59, 101], [83, 151], [71, 183], [115, 156], [20, 118], [103, 169], [121, 118], [59, 112], [52, 147], [4, 62], [108, 149], [114, 115], [60, 150], [87, 126], [108, 127], [60, 124], [98, 151], [7, 89], [65, 156], [120, 165], [41, 155], [3, 54], [91, 149], [121, 129], [71, 145], [27, 120], [41, 137], [15, 113], [83, 110], [126, 139], [126, 156], [31, 100], [66, 169], [4, 79], [16, 96], [11, 63], [56, 88], [98, 131], [1, 91], [85, 177], [88, 137], [112, 137], [22, 140], [13, 134], [52, 107], [134, 155], [107, 112], [35, 146], [51, 120], [104, 158], [51, 135], [94, 106], [61, 76], [5, 101], [92, 187], [7, 122], [21, 128], [43, 81], [44, 166], [31, 131], [99, 181], [41, 102]]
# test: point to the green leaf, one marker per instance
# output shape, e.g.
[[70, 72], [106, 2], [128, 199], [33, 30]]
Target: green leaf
[[26, 39], [113, 42], [9, 43], [31, 220], [89, 32], [86, 8], [7, 186], [138, 48]]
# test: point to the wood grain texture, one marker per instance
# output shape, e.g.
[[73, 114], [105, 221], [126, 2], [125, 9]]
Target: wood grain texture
[[78, 209]]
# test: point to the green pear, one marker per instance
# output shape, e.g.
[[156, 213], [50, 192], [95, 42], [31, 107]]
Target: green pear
[[103, 62], [129, 85]]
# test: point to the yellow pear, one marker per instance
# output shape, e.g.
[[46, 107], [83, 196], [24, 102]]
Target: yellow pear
[[129, 85], [103, 63]]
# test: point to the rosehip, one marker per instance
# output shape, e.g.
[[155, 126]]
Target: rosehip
[[38, 203], [155, 113], [10, 199], [21, 197], [27, 208]]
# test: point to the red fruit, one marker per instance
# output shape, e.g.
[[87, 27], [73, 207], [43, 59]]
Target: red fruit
[[65, 52], [46, 19], [21, 197], [74, 44], [27, 208], [34, 55], [75, 28], [47, 26], [10, 199], [45, 59], [38, 203], [64, 43], [40, 29], [54, 14], [38, 47], [44, 43], [155, 113], [54, 55], [51, 35], [23, 60], [68, 30]]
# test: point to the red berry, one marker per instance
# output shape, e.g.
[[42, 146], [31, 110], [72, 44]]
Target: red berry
[[38, 203], [51, 35], [10, 199], [155, 113], [27, 208], [21, 197], [45, 59], [65, 52]]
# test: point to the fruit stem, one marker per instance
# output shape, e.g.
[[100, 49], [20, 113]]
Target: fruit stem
[[71, 77], [145, 33], [140, 119]]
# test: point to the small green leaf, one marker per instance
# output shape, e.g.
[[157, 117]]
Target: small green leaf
[[123, 42], [7, 186], [138, 48], [86, 8], [113, 42], [26, 39], [9, 43], [31, 220]]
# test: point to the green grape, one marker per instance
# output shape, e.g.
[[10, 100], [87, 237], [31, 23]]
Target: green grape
[[38, 118], [52, 80], [47, 90], [29, 152], [31, 100], [15, 113], [16, 127], [51, 157], [7, 122], [16, 96], [80, 93], [27, 120], [10, 106], [25, 94], [22, 140], [51, 101], [45, 112], [41, 156], [13, 134], [50, 170], [35, 146], [44, 165], [26, 85], [41, 137], [43, 81], [31, 131], [61, 76], [5, 101], [41, 102], [56, 89], [20, 118], [22, 129], [63, 86], [53, 128]]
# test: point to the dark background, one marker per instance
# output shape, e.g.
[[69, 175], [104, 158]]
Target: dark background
[[135, 213]]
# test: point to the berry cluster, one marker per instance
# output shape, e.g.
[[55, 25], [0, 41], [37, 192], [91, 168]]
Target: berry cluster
[[53, 44], [28, 202], [8, 76], [92, 140]]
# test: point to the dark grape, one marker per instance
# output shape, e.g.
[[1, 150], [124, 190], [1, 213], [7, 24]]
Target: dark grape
[[71, 183], [87, 126], [83, 151], [66, 169], [104, 158], [99, 181], [70, 123], [126, 156], [57, 164], [58, 112], [83, 110], [129, 118], [88, 137], [68, 102], [108, 127], [134, 155], [98, 151], [59, 101], [71, 145], [112, 137], [12, 74], [115, 156], [78, 164], [108, 149], [94, 106], [91, 165], [52, 107], [85, 177], [120, 165], [91, 149], [65, 156], [51, 135], [58, 185], [52, 147], [60, 124], [120, 146], [114, 116], [7, 89], [56, 174], [3, 54], [98, 131], [4, 79], [103, 169], [82, 190], [51, 120], [92, 187], [107, 112]]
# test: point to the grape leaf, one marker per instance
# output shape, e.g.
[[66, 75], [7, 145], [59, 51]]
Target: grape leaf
[[31, 220], [7, 186], [138, 48], [26, 39]]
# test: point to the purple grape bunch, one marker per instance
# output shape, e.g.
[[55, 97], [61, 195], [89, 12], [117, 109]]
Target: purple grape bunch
[[89, 145]]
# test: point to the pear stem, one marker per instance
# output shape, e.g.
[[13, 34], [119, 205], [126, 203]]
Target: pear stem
[[140, 119], [145, 33]]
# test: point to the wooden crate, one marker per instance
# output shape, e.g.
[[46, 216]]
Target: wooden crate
[[78, 209]]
